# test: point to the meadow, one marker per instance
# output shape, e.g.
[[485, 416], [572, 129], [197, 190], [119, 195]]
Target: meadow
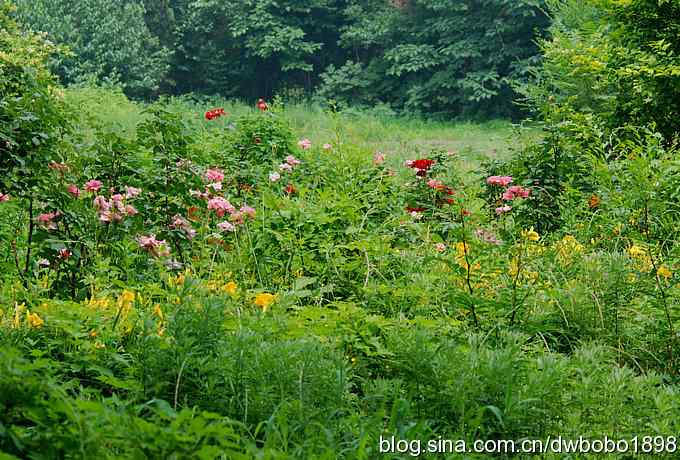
[[210, 280], [342, 271]]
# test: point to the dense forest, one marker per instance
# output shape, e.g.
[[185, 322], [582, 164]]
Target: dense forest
[[442, 57]]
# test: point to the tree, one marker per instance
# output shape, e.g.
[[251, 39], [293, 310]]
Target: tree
[[110, 42], [442, 56], [253, 48]]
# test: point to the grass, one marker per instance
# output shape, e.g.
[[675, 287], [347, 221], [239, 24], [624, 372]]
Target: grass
[[399, 138]]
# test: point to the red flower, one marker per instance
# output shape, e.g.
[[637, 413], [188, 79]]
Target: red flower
[[289, 189], [262, 105], [423, 164], [413, 209], [214, 113]]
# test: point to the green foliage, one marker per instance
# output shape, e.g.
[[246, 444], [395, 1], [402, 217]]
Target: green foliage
[[443, 57], [32, 115], [194, 284], [258, 142], [109, 44], [617, 60], [609, 71], [276, 43], [41, 415]]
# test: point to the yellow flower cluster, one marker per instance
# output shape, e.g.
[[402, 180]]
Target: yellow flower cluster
[[158, 312], [664, 272], [641, 258], [102, 303], [125, 302], [230, 287], [526, 275], [32, 319], [568, 248]]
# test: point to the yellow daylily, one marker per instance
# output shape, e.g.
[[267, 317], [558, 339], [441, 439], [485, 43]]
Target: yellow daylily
[[664, 272], [34, 320], [230, 288], [158, 312], [531, 234], [264, 300]]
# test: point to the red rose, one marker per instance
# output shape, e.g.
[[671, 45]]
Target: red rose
[[423, 164]]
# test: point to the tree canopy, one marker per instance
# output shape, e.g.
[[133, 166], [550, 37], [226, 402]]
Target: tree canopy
[[448, 57]]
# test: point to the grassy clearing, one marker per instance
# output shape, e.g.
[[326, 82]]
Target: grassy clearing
[[398, 137]]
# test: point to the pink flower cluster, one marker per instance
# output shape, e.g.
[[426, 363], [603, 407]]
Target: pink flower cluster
[[288, 166], [214, 175], [92, 186], [4, 197], [500, 181], [511, 193], [46, 220], [237, 218], [73, 190], [379, 158], [116, 208], [515, 192], [220, 206], [436, 184], [305, 144], [214, 178], [180, 223], [157, 248]]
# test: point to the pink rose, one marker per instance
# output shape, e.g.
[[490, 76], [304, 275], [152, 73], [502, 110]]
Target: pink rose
[[93, 185], [73, 190], [305, 144], [214, 175]]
